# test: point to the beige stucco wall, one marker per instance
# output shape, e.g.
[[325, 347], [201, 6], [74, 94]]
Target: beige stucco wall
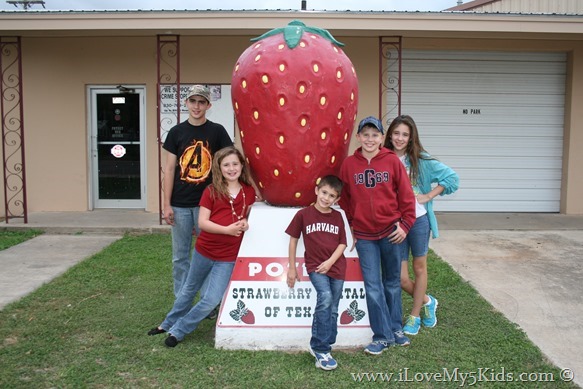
[[572, 190], [363, 52], [58, 70], [56, 74]]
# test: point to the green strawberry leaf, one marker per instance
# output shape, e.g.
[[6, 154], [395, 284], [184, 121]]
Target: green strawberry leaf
[[292, 33], [235, 314]]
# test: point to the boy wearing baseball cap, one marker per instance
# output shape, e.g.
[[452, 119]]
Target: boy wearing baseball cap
[[190, 146], [380, 207]]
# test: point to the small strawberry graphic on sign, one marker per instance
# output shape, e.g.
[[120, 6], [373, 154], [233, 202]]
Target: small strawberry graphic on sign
[[351, 314], [242, 314], [248, 317], [295, 97]]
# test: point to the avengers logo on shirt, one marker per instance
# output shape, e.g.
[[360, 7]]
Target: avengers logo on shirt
[[195, 163]]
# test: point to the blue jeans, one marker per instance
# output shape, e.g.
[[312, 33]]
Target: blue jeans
[[185, 219], [324, 322], [417, 240], [183, 318], [380, 262]]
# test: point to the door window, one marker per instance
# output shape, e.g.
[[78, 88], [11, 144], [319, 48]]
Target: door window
[[118, 149]]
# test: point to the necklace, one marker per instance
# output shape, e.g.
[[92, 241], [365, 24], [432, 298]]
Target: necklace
[[231, 201]]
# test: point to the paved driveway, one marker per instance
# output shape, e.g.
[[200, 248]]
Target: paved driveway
[[535, 278]]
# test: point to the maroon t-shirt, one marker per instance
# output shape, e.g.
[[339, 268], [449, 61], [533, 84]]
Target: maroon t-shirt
[[220, 247], [322, 233]]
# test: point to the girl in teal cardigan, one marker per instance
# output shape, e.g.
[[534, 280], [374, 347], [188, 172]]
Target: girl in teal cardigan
[[429, 178]]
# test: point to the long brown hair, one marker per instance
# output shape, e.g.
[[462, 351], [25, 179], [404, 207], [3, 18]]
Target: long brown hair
[[414, 148], [220, 187]]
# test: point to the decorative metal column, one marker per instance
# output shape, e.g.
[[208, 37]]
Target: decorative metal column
[[12, 129], [390, 78], [168, 75]]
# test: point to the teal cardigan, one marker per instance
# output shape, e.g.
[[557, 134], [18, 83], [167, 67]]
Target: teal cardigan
[[431, 171]]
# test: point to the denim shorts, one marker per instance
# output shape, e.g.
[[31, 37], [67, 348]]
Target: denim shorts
[[417, 241]]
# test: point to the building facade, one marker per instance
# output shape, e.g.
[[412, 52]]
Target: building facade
[[495, 95]]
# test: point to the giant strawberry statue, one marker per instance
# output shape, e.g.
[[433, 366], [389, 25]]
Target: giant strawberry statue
[[295, 96]]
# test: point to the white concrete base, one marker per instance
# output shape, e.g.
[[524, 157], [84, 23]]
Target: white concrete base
[[286, 339], [276, 317]]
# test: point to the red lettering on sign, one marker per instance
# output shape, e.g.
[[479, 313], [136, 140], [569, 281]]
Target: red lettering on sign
[[275, 269]]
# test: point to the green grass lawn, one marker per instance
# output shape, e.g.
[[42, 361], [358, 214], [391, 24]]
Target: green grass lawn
[[11, 238], [88, 329]]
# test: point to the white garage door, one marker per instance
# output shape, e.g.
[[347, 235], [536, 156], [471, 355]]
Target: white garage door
[[497, 119]]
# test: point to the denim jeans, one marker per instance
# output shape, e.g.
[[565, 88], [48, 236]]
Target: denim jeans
[[417, 240], [185, 219], [183, 318], [325, 320], [380, 262]]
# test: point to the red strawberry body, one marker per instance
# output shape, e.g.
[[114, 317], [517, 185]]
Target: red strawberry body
[[346, 318], [248, 318], [295, 108]]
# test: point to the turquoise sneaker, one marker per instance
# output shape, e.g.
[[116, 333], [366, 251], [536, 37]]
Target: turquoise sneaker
[[412, 325], [428, 312]]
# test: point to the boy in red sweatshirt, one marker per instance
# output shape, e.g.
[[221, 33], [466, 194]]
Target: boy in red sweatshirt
[[380, 207]]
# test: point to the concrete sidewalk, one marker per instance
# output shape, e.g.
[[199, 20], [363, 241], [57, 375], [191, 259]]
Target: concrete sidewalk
[[29, 265], [99, 221]]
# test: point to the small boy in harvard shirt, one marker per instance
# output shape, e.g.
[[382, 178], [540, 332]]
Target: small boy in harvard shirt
[[325, 240]]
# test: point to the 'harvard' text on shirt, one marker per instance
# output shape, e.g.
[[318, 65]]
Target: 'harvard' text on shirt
[[323, 227]]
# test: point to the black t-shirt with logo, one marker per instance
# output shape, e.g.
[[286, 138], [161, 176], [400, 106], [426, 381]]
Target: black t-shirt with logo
[[194, 147]]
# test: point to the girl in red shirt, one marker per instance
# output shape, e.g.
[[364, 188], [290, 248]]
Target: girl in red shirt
[[224, 208]]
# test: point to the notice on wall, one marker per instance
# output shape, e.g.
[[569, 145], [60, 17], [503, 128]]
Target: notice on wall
[[221, 110]]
